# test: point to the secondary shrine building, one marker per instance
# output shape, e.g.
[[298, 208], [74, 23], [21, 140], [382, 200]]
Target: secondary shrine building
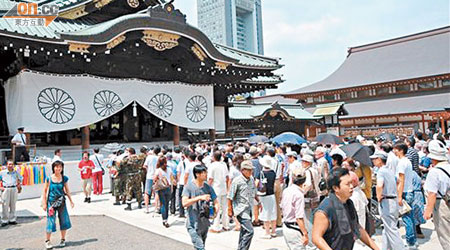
[[119, 70], [398, 86]]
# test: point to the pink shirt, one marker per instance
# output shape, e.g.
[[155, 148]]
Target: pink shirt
[[293, 204]]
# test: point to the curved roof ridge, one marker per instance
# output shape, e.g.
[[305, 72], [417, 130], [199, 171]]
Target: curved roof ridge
[[397, 40]]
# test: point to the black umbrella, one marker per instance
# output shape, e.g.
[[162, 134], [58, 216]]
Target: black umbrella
[[387, 136], [328, 139], [257, 139], [358, 152]]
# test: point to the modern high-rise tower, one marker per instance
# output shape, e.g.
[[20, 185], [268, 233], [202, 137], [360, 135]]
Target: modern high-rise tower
[[235, 23]]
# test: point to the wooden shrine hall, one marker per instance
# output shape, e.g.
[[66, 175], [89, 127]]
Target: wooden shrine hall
[[119, 70]]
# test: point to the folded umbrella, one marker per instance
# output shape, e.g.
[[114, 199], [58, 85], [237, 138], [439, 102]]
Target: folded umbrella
[[328, 139], [288, 137], [358, 152], [257, 139]]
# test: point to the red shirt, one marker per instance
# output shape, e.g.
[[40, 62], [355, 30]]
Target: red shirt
[[87, 173]]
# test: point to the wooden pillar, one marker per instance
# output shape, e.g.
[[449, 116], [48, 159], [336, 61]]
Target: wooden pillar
[[212, 135], [85, 144], [442, 124], [176, 135]]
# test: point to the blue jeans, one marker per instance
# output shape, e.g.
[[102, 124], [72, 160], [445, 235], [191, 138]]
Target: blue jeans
[[246, 233], [197, 240], [408, 219], [164, 197], [180, 193], [63, 216]]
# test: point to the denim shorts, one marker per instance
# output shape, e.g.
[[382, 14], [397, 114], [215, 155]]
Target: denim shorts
[[63, 216], [148, 186]]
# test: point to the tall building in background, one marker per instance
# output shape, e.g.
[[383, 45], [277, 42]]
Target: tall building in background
[[235, 23]]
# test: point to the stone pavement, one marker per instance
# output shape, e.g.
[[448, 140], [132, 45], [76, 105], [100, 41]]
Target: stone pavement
[[102, 205]]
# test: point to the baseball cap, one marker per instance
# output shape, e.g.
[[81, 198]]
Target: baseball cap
[[379, 154], [247, 165]]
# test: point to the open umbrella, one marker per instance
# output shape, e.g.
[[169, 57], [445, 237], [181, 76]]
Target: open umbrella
[[288, 137], [387, 136], [112, 147], [257, 139], [358, 152], [328, 139]]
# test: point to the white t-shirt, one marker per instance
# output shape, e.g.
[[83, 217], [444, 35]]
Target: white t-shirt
[[233, 173], [392, 162], [405, 167], [190, 170], [293, 166], [437, 180], [165, 174], [277, 167], [181, 169], [97, 163], [150, 162], [218, 171], [56, 158]]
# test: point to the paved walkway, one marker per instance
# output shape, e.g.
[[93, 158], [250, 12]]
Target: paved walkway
[[102, 205]]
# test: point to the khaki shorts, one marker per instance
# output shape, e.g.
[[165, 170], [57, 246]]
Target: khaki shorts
[[86, 184]]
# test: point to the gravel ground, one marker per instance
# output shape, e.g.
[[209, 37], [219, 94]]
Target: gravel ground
[[87, 232]]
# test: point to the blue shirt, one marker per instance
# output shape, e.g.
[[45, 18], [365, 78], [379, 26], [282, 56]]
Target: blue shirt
[[10, 178]]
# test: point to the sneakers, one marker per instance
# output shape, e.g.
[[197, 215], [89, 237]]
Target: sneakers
[[89, 200], [86, 199], [166, 224], [128, 208], [48, 245], [62, 243], [13, 223], [4, 224]]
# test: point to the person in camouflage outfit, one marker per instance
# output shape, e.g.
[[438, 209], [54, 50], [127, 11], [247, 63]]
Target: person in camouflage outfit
[[143, 172], [133, 163], [119, 172]]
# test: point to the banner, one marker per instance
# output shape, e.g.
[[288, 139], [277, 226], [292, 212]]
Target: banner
[[43, 102]]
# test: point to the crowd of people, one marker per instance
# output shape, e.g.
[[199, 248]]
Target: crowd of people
[[320, 197]]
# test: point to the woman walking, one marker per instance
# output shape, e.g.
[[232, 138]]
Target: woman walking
[[269, 208], [163, 178], [55, 189]]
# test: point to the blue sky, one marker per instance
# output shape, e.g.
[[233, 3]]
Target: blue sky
[[312, 37]]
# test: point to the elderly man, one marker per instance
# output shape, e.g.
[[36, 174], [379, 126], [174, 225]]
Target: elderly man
[[11, 181], [240, 203], [293, 207], [387, 199], [437, 185], [20, 141], [293, 164]]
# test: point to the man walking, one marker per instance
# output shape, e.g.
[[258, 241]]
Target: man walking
[[20, 141], [11, 181], [335, 220], [293, 208], [197, 196], [240, 203], [133, 181], [218, 179], [85, 167], [150, 167], [386, 190], [437, 185]]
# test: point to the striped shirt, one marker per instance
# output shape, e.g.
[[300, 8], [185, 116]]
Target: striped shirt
[[413, 156]]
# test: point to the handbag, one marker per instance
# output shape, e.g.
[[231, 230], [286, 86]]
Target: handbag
[[103, 170], [161, 183], [312, 195], [262, 187]]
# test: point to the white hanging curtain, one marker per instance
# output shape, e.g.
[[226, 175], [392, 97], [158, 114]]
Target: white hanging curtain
[[44, 102]]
